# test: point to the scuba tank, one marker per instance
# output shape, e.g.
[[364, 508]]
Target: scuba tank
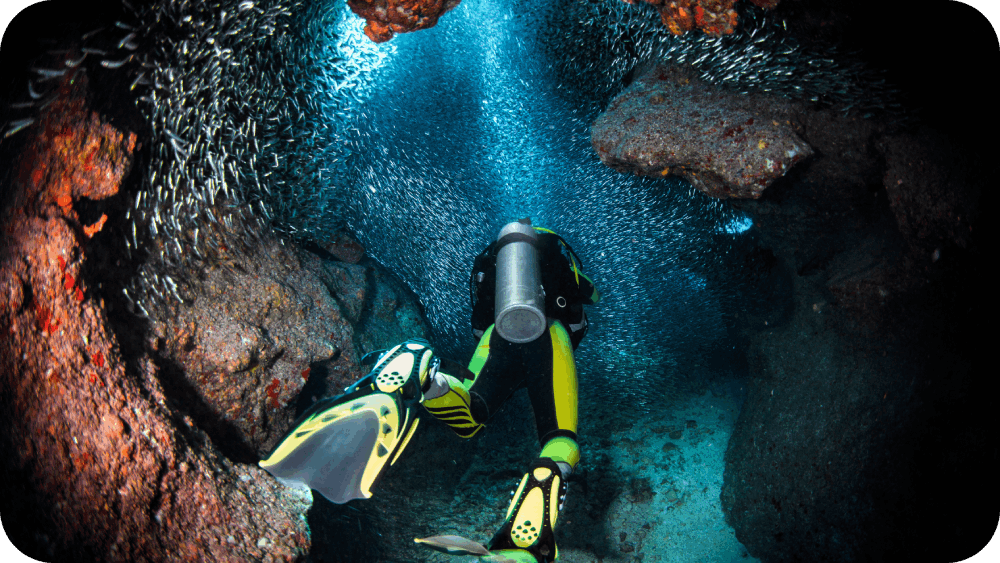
[[520, 300]]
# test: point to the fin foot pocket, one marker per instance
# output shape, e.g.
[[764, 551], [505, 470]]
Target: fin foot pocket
[[532, 514]]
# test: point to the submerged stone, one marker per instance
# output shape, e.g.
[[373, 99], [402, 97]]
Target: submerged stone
[[725, 143]]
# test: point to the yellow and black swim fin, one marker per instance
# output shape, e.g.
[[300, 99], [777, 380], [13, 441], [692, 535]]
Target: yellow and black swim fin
[[341, 446], [527, 531]]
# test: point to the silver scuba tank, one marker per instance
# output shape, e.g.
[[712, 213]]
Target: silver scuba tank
[[520, 300]]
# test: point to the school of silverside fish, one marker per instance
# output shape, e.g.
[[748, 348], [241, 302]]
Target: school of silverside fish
[[253, 108]]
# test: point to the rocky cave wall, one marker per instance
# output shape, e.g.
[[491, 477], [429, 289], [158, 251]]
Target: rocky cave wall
[[135, 437], [863, 397]]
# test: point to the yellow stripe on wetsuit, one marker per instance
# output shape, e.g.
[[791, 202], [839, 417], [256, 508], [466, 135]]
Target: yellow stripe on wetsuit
[[454, 408], [564, 385]]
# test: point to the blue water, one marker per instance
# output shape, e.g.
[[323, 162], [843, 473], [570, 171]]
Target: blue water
[[461, 128]]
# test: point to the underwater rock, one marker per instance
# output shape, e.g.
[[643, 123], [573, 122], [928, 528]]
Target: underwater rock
[[389, 17], [96, 464], [343, 247], [818, 410], [245, 337], [933, 199], [347, 283], [391, 315], [864, 279], [668, 122], [828, 202], [828, 459], [381, 309]]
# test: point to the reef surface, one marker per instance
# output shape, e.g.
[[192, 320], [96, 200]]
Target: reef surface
[[669, 122]]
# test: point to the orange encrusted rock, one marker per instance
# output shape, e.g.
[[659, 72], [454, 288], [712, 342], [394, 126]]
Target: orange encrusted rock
[[389, 17]]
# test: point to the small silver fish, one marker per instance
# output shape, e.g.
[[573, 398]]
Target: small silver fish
[[75, 63], [16, 126], [47, 73], [115, 64], [91, 33], [453, 545]]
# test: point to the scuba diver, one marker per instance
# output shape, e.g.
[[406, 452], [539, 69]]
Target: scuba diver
[[528, 294]]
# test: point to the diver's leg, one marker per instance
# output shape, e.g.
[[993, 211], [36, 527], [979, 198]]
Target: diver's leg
[[527, 532], [554, 397], [465, 398], [449, 400]]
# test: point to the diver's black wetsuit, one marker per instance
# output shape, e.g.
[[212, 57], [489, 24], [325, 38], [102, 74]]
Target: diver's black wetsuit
[[499, 368], [545, 367]]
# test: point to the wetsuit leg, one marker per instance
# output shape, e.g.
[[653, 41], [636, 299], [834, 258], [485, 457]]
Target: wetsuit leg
[[476, 392], [502, 367], [527, 531], [497, 369], [554, 399]]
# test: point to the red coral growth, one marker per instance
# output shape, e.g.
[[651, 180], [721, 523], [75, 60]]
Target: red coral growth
[[45, 320], [389, 17], [98, 359], [81, 461], [714, 17], [69, 282], [272, 392], [91, 230], [305, 374], [42, 315], [78, 295]]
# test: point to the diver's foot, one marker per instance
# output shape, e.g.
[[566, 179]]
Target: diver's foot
[[526, 534]]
